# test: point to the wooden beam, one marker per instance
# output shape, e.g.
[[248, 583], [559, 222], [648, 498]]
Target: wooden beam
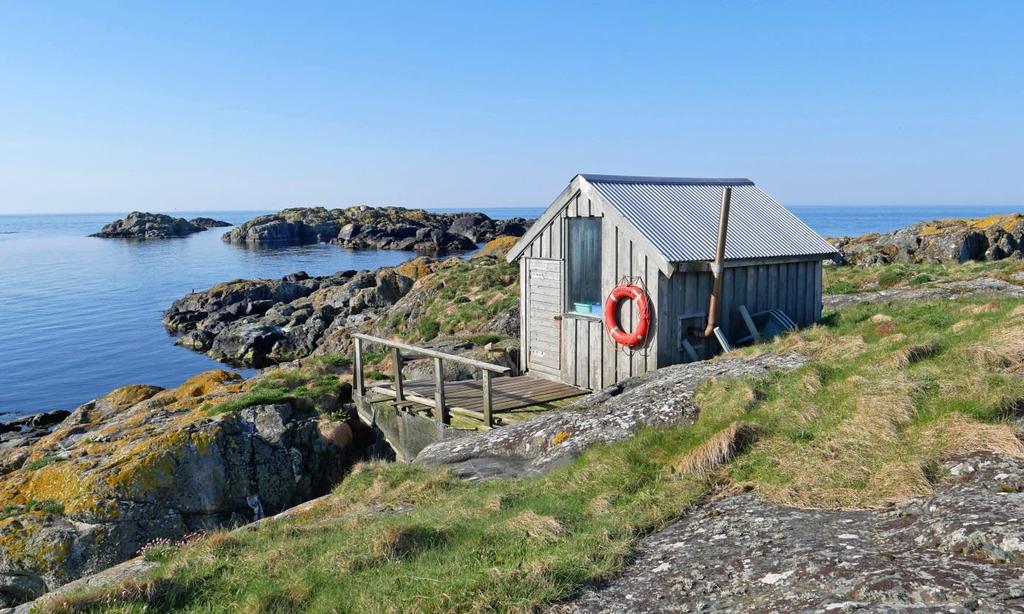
[[488, 404], [357, 371], [442, 411], [396, 364]]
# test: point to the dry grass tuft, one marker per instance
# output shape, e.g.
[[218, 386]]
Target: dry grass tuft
[[1004, 349], [961, 326], [959, 434], [600, 504], [913, 353], [717, 450], [880, 318], [979, 309], [494, 504], [810, 380], [824, 346], [537, 526], [131, 590], [1017, 312], [856, 464]]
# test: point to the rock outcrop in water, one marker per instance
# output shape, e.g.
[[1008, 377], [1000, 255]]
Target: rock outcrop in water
[[143, 463], [375, 228], [144, 226], [267, 321], [954, 240]]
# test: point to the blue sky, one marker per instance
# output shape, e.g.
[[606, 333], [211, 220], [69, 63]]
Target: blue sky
[[163, 106]]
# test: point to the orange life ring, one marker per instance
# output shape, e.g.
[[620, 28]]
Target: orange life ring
[[611, 315]]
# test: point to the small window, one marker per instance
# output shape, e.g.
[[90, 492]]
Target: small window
[[584, 265]]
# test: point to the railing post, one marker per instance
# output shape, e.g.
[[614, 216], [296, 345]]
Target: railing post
[[442, 410], [357, 371], [396, 364], [487, 398]]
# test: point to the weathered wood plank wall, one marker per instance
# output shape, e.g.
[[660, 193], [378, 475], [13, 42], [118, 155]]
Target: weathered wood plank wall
[[588, 358]]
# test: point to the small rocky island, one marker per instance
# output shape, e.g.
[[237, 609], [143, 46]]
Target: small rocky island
[[145, 226], [363, 227]]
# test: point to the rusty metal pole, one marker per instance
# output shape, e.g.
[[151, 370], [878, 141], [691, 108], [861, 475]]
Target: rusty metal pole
[[717, 266]]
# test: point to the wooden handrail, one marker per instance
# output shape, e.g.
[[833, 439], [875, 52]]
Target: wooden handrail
[[439, 403], [412, 349]]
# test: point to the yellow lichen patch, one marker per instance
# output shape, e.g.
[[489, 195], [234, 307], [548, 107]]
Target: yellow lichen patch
[[19, 543], [130, 395], [415, 268], [1006, 222], [498, 247], [205, 383], [559, 437]]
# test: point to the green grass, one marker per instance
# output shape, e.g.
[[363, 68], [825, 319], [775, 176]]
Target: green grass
[[45, 506], [467, 295], [859, 426], [851, 279], [308, 387], [42, 462]]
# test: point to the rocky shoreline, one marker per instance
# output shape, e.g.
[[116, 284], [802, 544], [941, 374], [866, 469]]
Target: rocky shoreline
[[261, 322], [147, 226], [85, 490], [954, 240], [363, 227]]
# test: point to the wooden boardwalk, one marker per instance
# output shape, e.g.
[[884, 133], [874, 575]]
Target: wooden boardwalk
[[466, 396]]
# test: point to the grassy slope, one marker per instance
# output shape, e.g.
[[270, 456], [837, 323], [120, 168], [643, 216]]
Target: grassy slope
[[889, 391], [849, 279]]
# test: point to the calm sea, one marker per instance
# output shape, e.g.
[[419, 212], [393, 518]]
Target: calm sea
[[80, 316]]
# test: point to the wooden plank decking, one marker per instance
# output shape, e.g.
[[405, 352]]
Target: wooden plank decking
[[508, 393]]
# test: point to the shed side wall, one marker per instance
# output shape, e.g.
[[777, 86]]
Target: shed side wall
[[794, 287]]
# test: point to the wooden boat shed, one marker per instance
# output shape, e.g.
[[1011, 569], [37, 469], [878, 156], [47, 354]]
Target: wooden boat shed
[[660, 233]]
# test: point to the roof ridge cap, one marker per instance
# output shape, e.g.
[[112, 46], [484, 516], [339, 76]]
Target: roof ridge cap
[[724, 181]]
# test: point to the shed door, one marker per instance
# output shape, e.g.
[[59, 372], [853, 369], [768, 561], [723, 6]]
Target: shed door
[[544, 310]]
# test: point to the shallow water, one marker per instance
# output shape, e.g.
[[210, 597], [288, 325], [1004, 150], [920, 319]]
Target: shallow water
[[80, 316]]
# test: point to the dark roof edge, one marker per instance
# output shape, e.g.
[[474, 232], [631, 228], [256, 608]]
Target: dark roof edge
[[666, 180]]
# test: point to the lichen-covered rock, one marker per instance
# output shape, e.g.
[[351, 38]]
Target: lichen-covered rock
[[145, 226], [960, 550], [142, 463], [375, 228], [953, 240], [661, 398]]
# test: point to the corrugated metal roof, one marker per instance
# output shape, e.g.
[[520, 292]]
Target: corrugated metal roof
[[680, 217]]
